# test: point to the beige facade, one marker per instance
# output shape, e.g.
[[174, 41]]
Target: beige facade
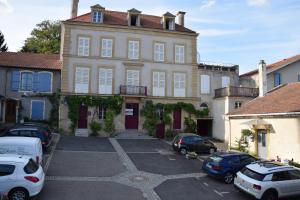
[[282, 135]]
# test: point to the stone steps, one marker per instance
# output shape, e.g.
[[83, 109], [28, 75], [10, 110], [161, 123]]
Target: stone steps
[[82, 132]]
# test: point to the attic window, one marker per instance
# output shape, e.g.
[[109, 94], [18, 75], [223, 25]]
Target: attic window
[[133, 20], [170, 24], [97, 16]]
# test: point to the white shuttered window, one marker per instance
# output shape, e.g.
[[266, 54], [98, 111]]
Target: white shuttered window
[[204, 84], [158, 83], [179, 54], [83, 46], [225, 81], [105, 81], [133, 78], [107, 48], [82, 80], [159, 52], [179, 85], [133, 49]]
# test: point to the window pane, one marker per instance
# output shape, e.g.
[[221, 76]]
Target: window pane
[[277, 79], [225, 81], [26, 81], [6, 170], [83, 46], [82, 80], [205, 84]]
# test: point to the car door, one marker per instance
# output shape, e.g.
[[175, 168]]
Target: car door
[[191, 143], [282, 181], [234, 163], [7, 176], [294, 182]]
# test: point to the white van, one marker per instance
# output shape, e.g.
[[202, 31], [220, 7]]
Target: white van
[[28, 146]]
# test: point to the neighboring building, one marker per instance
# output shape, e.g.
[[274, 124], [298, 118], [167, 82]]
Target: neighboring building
[[25, 79], [281, 72], [274, 121]]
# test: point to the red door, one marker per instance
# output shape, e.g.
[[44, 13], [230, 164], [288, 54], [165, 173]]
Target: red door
[[82, 121], [177, 119], [132, 116], [160, 130], [10, 114]]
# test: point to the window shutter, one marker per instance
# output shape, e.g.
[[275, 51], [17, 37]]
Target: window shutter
[[158, 84], [179, 85], [15, 80], [204, 84], [82, 80], [35, 83], [44, 84], [133, 77], [105, 81], [225, 81]]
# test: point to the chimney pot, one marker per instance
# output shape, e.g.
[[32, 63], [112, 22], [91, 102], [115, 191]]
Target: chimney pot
[[74, 8], [180, 15]]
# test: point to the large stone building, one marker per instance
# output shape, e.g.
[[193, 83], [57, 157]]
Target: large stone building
[[140, 57]]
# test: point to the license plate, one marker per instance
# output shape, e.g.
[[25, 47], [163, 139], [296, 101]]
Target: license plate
[[208, 165]]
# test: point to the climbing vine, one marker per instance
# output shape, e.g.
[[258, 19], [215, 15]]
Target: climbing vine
[[113, 103], [156, 113]]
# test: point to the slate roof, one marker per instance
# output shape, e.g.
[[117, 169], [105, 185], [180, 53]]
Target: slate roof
[[283, 99], [30, 60]]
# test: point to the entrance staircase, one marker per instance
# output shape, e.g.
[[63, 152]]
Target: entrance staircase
[[81, 132], [132, 134]]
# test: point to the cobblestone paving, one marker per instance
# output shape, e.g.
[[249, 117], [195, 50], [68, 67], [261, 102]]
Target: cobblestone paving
[[144, 181]]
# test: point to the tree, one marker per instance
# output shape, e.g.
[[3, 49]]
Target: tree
[[45, 38], [3, 45]]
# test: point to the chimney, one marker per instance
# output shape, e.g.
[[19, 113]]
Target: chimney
[[74, 8], [262, 78], [180, 16]]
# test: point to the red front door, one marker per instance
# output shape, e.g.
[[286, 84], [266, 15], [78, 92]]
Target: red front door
[[82, 121], [11, 110], [132, 116], [177, 119]]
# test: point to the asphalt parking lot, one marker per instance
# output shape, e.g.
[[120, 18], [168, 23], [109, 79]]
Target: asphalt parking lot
[[133, 169]]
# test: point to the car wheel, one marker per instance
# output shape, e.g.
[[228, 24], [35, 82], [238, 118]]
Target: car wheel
[[18, 194], [228, 178], [211, 150], [183, 151], [270, 195]]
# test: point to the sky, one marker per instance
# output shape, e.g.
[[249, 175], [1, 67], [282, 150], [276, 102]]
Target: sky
[[230, 31]]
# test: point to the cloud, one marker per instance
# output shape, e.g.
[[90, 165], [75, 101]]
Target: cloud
[[5, 7], [207, 4], [220, 32], [256, 2]]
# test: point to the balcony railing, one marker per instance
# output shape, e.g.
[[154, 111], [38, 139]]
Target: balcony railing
[[133, 90], [236, 92]]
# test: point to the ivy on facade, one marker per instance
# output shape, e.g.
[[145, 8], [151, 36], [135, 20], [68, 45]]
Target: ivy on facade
[[160, 113], [113, 103]]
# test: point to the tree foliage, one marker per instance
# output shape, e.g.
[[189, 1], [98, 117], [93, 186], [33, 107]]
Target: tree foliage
[[3, 45], [45, 38]]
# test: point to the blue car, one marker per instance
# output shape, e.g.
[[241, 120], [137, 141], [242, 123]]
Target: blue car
[[224, 165]]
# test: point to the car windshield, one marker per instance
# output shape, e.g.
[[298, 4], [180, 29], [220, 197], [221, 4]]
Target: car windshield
[[215, 159], [31, 167], [252, 174]]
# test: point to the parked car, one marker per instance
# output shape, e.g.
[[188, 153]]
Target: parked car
[[30, 131], [36, 124], [188, 142], [269, 180], [224, 165], [31, 147], [21, 178]]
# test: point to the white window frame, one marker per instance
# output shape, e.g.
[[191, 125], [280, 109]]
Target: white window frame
[[84, 48], [204, 84], [78, 90], [158, 91], [43, 108], [51, 88], [134, 49], [98, 17], [179, 53], [225, 81], [106, 51], [20, 84], [127, 78], [179, 89], [104, 89], [159, 52]]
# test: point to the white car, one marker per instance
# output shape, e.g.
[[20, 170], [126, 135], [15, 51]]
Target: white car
[[268, 180], [20, 177]]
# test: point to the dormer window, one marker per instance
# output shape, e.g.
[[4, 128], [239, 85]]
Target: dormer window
[[97, 14], [168, 21], [133, 17]]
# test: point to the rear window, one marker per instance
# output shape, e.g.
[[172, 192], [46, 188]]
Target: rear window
[[252, 174], [215, 159], [6, 170], [31, 167]]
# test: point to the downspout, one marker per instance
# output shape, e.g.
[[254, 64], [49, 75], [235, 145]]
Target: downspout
[[229, 146]]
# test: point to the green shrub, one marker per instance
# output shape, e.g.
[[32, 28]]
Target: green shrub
[[169, 133], [109, 126], [190, 125], [95, 128]]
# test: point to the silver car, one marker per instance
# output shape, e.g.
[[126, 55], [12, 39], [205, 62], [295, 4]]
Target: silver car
[[268, 180]]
